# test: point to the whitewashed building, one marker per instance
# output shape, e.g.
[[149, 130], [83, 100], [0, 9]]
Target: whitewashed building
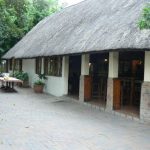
[[93, 51]]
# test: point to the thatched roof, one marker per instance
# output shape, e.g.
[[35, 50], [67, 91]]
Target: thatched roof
[[92, 25]]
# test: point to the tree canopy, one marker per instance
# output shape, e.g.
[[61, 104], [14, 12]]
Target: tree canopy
[[17, 17], [144, 22]]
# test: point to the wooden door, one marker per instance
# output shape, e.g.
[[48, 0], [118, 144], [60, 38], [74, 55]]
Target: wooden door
[[87, 87], [117, 94]]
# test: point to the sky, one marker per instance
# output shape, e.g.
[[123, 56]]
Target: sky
[[70, 2]]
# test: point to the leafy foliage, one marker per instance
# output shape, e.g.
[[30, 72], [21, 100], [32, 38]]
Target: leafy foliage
[[41, 79], [21, 75], [42, 76], [17, 17], [39, 82], [144, 22]]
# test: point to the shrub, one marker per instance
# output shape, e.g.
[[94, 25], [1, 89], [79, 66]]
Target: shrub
[[40, 80], [21, 75], [144, 22]]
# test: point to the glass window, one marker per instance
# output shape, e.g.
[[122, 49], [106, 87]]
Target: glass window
[[18, 65], [10, 64], [53, 66]]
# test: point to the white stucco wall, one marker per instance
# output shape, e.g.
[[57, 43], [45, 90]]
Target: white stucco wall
[[54, 86], [28, 65], [57, 86]]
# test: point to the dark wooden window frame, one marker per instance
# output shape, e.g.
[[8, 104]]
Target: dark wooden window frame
[[10, 64], [38, 65], [17, 65], [53, 66]]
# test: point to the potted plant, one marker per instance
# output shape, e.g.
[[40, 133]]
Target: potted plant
[[22, 76], [39, 84], [25, 79]]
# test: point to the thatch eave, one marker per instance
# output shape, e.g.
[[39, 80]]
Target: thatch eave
[[86, 52], [90, 26]]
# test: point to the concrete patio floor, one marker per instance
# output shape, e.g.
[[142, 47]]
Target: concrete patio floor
[[31, 121]]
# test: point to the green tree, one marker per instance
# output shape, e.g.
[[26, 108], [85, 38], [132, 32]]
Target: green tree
[[144, 22], [8, 29], [17, 17]]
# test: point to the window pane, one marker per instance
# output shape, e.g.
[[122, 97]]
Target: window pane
[[54, 66]]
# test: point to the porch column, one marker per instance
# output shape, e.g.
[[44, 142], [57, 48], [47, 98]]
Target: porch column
[[65, 73], [112, 73], [84, 71], [145, 91]]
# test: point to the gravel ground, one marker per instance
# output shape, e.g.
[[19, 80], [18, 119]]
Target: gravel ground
[[30, 121]]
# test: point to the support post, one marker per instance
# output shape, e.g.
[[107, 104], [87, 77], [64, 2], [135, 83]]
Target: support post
[[112, 73], [65, 73], [145, 91], [84, 71]]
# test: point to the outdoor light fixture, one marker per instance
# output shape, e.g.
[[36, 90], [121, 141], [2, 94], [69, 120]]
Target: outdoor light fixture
[[106, 60]]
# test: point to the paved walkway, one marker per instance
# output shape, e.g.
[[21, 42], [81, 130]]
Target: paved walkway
[[31, 121]]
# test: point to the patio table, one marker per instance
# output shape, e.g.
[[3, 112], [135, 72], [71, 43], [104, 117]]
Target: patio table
[[8, 83]]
